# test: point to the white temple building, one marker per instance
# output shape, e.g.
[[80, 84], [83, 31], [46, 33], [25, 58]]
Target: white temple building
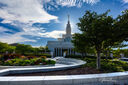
[[62, 44]]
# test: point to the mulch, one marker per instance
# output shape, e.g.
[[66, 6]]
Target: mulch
[[75, 71]]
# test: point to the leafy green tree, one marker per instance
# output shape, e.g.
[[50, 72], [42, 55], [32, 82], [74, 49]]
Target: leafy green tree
[[101, 32], [121, 27], [36, 50], [116, 53], [21, 48], [46, 49], [80, 45], [11, 49], [3, 47], [42, 49], [96, 31], [125, 52]]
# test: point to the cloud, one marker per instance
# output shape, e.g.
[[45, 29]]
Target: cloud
[[28, 31], [77, 3], [2, 29], [51, 4], [25, 11], [53, 34], [23, 14], [18, 37], [125, 1], [15, 38]]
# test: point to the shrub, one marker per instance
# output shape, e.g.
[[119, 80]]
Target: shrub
[[11, 56], [8, 63], [51, 62], [92, 57], [32, 61], [114, 66], [79, 56], [91, 62], [23, 57], [104, 57], [73, 56], [45, 54], [107, 65], [39, 54], [1, 63], [30, 57], [44, 57], [1, 58], [16, 62], [26, 62]]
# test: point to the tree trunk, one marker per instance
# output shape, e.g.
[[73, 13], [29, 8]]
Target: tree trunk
[[98, 60]]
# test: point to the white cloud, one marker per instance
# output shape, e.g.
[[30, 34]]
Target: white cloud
[[25, 11], [125, 1], [69, 3], [18, 37], [28, 30], [14, 38], [53, 34], [2, 29]]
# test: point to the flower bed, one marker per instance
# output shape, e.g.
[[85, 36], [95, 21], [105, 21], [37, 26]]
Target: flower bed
[[24, 60]]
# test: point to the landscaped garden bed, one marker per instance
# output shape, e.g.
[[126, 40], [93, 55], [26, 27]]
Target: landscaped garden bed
[[107, 66], [19, 60]]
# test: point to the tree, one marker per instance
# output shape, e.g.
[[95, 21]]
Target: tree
[[46, 49], [80, 45], [101, 32], [21, 48], [96, 31], [121, 27], [3, 47], [11, 49]]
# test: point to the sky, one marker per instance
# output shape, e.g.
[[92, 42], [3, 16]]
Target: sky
[[35, 22]]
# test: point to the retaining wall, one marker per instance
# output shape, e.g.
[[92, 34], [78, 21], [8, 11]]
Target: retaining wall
[[118, 78]]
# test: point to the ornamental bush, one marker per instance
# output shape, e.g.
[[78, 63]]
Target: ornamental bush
[[107, 65], [27, 62]]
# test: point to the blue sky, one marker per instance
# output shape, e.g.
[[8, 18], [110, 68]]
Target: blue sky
[[35, 22]]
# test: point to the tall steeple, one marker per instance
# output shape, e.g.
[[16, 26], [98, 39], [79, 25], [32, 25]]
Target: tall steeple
[[68, 19], [68, 27]]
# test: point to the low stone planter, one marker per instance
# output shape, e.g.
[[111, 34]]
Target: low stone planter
[[62, 64], [118, 78]]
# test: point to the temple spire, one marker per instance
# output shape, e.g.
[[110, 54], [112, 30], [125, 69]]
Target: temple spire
[[68, 18], [68, 27]]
